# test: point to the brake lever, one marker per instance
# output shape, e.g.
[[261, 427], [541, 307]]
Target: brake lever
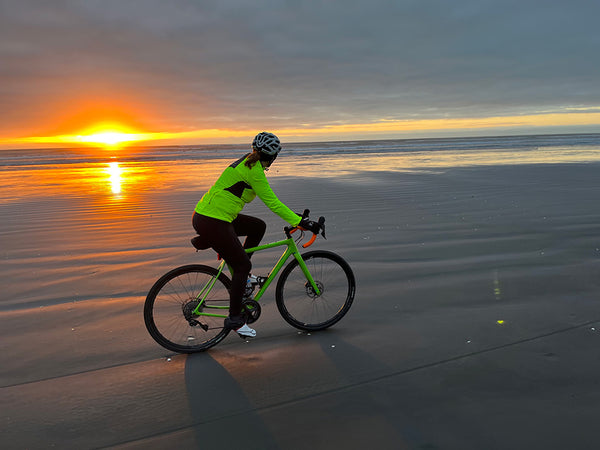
[[322, 225]]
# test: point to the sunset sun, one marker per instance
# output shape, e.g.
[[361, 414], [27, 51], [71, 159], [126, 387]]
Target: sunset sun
[[103, 134], [108, 137]]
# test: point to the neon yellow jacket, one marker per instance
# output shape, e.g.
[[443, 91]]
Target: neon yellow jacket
[[238, 185]]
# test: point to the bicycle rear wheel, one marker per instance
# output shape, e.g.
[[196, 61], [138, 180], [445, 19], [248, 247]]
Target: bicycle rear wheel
[[297, 301], [169, 306]]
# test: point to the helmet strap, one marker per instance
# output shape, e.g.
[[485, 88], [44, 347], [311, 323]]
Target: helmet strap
[[268, 158]]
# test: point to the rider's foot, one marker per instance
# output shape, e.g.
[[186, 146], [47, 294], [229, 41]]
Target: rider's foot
[[238, 323]]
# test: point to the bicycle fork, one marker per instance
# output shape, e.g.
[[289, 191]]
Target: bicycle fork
[[316, 289]]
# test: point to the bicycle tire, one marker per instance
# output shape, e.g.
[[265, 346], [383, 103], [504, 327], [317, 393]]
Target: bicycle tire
[[173, 296], [300, 306]]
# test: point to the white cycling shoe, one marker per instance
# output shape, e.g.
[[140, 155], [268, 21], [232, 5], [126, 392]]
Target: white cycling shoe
[[238, 323], [246, 331]]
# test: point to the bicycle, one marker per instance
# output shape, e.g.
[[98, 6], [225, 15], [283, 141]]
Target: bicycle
[[185, 309]]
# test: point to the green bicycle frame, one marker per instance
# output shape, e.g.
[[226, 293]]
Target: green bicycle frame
[[291, 249]]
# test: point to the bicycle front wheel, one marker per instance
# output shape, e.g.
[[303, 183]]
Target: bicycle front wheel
[[169, 307], [298, 302]]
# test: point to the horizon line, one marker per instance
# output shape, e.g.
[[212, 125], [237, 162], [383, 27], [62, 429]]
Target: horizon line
[[148, 144]]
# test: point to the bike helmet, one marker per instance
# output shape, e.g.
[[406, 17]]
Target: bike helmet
[[267, 144]]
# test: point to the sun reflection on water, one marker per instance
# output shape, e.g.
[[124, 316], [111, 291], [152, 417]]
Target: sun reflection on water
[[115, 177]]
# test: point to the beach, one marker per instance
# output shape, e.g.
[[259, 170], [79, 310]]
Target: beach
[[475, 325]]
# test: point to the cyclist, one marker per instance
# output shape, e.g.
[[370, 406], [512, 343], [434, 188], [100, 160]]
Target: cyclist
[[218, 221]]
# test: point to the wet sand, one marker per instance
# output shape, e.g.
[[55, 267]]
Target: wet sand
[[476, 322]]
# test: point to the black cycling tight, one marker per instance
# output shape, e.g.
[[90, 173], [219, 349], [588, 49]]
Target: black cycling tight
[[223, 238]]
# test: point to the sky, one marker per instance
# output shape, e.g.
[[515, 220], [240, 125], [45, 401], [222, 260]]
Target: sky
[[218, 71]]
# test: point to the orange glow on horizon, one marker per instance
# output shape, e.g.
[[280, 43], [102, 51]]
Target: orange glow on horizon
[[111, 135], [119, 136], [371, 130], [105, 135]]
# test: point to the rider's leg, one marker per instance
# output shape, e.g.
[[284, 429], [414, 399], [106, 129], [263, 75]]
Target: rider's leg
[[231, 250], [251, 227], [223, 239], [234, 254]]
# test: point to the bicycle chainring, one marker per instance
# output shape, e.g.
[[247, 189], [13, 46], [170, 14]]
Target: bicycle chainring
[[251, 310]]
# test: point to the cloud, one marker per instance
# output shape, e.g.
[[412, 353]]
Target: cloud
[[182, 65]]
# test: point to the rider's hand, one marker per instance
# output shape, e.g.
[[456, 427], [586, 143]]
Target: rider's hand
[[309, 225]]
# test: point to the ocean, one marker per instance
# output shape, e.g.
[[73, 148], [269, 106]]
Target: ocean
[[586, 145]]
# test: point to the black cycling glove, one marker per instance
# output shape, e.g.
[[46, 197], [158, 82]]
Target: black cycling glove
[[309, 225]]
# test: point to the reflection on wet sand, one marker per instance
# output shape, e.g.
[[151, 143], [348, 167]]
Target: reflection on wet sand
[[103, 179], [114, 172], [111, 178], [342, 165]]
